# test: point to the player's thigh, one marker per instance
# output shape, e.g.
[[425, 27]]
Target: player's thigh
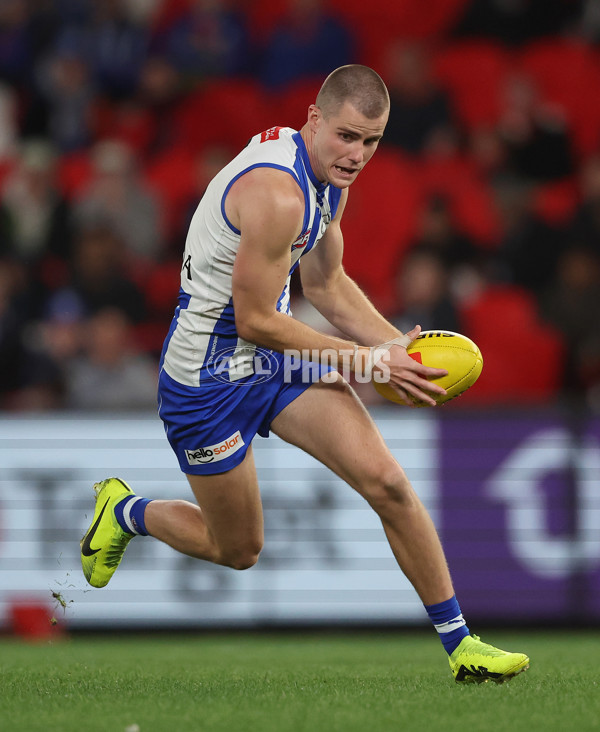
[[329, 421], [231, 505]]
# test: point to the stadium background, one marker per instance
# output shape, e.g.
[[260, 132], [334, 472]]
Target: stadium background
[[480, 213]]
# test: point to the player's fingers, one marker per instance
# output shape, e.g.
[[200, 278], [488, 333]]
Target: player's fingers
[[423, 384], [403, 396], [414, 333], [429, 372], [420, 389], [421, 395]]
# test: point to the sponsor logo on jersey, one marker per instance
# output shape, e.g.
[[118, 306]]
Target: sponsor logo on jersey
[[302, 240], [271, 134], [214, 453]]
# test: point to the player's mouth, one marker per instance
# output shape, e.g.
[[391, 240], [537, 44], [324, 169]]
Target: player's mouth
[[346, 172]]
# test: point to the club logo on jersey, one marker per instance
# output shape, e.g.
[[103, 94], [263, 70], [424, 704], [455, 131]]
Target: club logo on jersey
[[216, 452], [302, 240], [271, 134]]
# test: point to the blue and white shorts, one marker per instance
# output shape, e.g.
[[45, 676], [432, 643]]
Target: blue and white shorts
[[211, 426]]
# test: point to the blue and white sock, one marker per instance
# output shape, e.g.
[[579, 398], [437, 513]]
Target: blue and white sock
[[447, 619], [130, 514]]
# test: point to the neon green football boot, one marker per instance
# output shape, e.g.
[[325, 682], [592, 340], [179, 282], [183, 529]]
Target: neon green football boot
[[476, 662], [104, 543]]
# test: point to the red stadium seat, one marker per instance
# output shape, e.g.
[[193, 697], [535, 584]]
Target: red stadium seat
[[403, 18], [556, 202], [263, 16], [476, 214], [522, 357], [470, 198], [132, 124], [438, 18], [374, 28], [168, 13], [7, 165], [562, 68], [74, 173], [473, 72], [379, 223], [290, 105], [568, 74], [171, 176], [228, 111], [161, 286]]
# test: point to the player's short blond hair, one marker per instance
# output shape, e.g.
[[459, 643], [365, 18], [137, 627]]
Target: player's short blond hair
[[357, 84]]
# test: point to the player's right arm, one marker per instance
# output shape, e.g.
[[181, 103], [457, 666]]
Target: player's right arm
[[267, 206]]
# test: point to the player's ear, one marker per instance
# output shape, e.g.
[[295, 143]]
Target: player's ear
[[314, 117]]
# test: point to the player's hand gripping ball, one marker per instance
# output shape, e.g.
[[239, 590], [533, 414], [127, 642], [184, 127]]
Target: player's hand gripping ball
[[442, 349]]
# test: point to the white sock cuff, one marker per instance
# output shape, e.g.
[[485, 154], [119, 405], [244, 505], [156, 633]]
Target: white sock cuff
[[127, 513], [451, 625]]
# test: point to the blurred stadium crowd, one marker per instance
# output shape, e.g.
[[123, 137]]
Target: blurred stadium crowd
[[480, 212]]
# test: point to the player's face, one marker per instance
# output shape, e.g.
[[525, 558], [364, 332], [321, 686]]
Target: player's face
[[343, 144]]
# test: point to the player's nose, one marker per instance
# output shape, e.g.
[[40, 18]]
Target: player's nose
[[357, 153]]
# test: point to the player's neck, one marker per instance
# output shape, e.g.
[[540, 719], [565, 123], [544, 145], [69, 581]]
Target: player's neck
[[307, 137]]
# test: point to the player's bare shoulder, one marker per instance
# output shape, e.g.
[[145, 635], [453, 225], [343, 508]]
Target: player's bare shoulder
[[266, 193]]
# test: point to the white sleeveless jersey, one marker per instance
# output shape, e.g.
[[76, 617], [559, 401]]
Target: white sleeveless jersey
[[204, 322]]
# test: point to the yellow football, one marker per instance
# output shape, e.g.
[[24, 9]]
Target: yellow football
[[442, 349]]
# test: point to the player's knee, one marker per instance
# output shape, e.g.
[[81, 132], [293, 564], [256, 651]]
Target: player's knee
[[390, 489], [242, 557], [241, 561]]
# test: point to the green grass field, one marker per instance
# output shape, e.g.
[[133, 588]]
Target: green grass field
[[310, 682]]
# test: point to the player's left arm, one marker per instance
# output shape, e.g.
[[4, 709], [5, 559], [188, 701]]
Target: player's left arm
[[336, 296], [339, 299]]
